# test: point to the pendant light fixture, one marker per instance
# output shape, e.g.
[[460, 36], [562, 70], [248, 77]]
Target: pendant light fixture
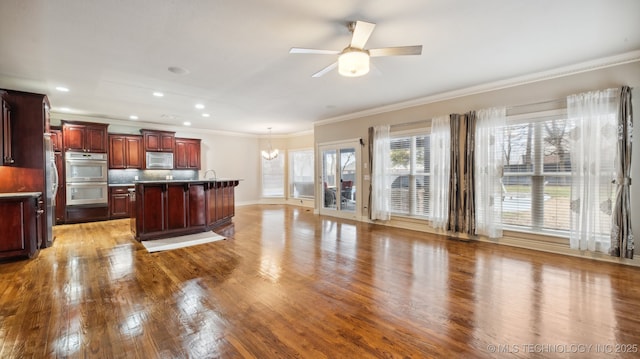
[[271, 153]]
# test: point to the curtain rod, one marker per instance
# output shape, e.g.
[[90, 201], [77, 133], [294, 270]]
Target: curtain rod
[[509, 108], [514, 107], [426, 121]]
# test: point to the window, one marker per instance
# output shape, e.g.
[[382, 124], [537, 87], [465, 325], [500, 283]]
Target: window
[[537, 173], [301, 173], [273, 177], [409, 175]]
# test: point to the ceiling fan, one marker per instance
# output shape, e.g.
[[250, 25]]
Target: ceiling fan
[[353, 60]]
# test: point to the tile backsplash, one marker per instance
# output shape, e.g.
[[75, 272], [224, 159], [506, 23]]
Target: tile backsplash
[[129, 176]]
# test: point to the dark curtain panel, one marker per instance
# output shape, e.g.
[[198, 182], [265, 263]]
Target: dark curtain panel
[[370, 141], [454, 122], [621, 234], [461, 199]]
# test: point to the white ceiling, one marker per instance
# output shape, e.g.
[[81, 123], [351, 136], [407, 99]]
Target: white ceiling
[[113, 54]]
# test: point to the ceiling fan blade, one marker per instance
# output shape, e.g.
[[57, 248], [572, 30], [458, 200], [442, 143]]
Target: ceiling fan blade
[[298, 50], [361, 34], [325, 70], [396, 51]]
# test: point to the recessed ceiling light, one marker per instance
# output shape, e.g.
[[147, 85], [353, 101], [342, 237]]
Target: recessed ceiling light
[[158, 94], [187, 123], [199, 106], [62, 89], [205, 115], [178, 70], [133, 117]]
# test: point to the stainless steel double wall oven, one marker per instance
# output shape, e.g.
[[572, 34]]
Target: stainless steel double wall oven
[[86, 179]]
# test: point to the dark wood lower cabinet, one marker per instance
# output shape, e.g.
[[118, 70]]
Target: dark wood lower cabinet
[[221, 202], [119, 202], [21, 222], [172, 208], [197, 206], [177, 207]]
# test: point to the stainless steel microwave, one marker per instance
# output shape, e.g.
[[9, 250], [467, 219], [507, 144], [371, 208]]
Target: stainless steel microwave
[[159, 161]]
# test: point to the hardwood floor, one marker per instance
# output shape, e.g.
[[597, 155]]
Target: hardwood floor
[[287, 283]]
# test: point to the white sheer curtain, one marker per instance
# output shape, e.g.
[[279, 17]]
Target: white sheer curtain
[[488, 170], [439, 168], [380, 201], [593, 143]]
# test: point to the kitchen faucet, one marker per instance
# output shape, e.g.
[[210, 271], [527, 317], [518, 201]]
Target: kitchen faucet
[[214, 174]]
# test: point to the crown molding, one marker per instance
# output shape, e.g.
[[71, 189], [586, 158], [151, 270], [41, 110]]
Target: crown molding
[[592, 65], [158, 126]]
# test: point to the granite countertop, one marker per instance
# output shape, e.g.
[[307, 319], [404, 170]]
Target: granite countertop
[[20, 194], [191, 181], [121, 184]]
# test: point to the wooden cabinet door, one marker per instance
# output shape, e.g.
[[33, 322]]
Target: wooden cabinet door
[[187, 154], [167, 142], [181, 156], [125, 151], [153, 202], [117, 151], [56, 139], [134, 154], [12, 219], [193, 151], [96, 140], [152, 141], [197, 206], [19, 223], [211, 203], [219, 201], [73, 137], [119, 202], [158, 141], [177, 206], [85, 137]]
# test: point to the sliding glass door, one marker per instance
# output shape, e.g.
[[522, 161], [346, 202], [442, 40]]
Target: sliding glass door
[[339, 177]]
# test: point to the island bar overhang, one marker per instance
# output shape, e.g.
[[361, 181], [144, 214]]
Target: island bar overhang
[[173, 207]]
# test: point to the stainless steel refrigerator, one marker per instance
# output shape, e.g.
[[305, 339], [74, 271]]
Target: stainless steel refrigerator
[[51, 187]]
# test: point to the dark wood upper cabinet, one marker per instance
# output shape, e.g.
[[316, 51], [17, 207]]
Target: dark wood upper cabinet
[[6, 147], [56, 138], [97, 139], [187, 154], [84, 136], [158, 141], [125, 151]]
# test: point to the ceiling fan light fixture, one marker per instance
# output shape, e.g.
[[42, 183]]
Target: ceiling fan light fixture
[[353, 62]]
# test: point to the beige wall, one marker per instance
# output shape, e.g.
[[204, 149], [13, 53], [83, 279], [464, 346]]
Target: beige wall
[[557, 88]]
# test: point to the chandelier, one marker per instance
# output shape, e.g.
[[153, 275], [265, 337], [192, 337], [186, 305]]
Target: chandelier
[[271, 153]]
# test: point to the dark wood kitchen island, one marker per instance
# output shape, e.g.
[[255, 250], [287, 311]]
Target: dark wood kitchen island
[[173, 207]]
